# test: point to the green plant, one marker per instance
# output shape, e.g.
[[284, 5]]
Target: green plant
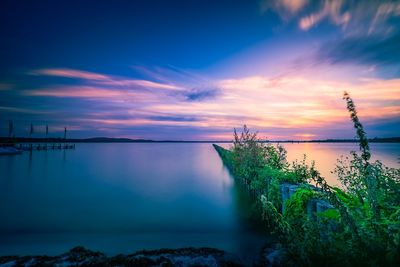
[[363, 228], [248, 154]]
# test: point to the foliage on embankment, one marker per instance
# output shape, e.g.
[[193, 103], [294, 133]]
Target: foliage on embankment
[[362, 229]]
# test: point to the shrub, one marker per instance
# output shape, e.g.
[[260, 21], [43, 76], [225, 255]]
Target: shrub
[[364, 227]]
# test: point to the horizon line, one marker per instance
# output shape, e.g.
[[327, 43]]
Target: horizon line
[[142, 140]]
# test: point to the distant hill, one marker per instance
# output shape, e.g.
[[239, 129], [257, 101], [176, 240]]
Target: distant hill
[[112, 140]]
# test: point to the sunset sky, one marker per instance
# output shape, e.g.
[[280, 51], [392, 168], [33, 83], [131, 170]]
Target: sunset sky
[[194, 70]]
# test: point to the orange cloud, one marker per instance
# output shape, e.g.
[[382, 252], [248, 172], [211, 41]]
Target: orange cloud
[[297, 103], [306, 136]]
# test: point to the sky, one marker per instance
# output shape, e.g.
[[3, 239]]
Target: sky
[[195, 70]]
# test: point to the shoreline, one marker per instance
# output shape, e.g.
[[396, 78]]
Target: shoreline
[[190, 256]]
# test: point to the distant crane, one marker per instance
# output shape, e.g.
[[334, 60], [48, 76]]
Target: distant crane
[[30, 136], [10, 128], [39, 143]]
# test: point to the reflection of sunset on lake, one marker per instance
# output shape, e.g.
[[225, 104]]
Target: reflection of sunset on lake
[[326, 154]]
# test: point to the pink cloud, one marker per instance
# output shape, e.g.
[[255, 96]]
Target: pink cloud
[[71, 73], [103, 79], [285, 8], [92, 92], [84, 92], [139, 83], [330, 9], [303, 105]]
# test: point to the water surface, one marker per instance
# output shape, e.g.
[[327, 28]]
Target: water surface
[[326, 155], [119, 198]]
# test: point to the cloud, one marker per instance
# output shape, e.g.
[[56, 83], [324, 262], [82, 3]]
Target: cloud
[[173, 118], [201, 94], [103, 79], [354, 17], [368, 37], [366, 17], [119, 89], [139, 83], [368, 50], [331, 10], [295, 105], [384, 12], [22, 110], [76, 91], [71, 73], [285, 8], [294, 6], [187, 80], [305, 136]]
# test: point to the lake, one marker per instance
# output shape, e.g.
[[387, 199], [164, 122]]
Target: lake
[[120, 198]]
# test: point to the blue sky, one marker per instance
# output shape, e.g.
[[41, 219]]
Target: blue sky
[[194, 70]]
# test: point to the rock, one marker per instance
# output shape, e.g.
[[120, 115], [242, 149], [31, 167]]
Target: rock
[[272, 256], [80, 256]]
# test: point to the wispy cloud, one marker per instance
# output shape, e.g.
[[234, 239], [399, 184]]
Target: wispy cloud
[[286, 8], [371, 39], [291, 106], [202, 94], [70, 73], [103, 79], [77, 91], [22, 110], [384, 12], [171, 74], [354, 17], [330, 9], [96, 85], [367, 50], [367, 34]]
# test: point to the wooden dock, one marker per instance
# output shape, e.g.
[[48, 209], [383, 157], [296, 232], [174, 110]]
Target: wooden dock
[[54, 146]]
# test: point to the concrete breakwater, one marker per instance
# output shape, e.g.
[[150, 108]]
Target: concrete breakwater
[[287, 190]]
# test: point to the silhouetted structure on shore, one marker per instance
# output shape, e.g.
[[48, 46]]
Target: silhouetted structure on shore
[[32, 143]]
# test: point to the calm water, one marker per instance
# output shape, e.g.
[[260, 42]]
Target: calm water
[[119, 198], [325, 155]]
